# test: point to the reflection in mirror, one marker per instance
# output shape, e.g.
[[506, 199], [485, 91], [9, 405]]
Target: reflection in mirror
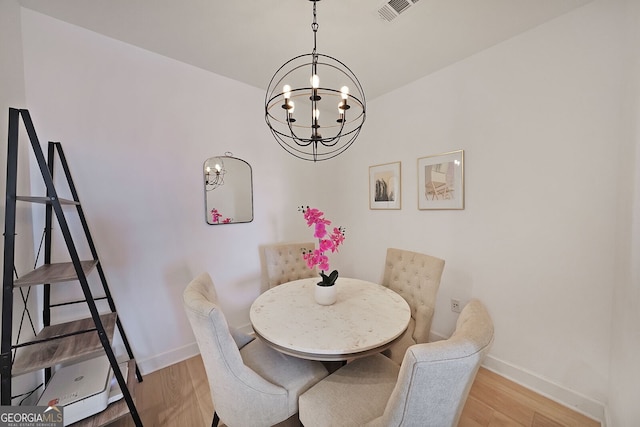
[[228, 190]]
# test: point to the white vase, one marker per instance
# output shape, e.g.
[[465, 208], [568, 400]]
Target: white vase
[[325, 295]]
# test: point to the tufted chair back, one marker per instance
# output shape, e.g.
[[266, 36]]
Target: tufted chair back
[[232, 383], [435, 378], [284, 262], [251, 384], [429, 388], [416, 277]]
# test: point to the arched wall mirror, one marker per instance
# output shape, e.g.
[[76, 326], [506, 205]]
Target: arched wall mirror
[[228, 190]]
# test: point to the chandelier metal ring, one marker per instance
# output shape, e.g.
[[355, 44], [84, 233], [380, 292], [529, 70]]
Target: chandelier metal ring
[[297, 105]]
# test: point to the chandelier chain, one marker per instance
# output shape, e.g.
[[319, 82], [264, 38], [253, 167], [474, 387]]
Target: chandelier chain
[[314, 26]]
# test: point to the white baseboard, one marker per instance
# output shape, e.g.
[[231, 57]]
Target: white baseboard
[[169, 358], [607, 417], [178, 355], [247, 329], [557, 393]]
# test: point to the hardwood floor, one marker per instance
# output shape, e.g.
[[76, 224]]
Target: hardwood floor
[[178, 396], [495, 401]]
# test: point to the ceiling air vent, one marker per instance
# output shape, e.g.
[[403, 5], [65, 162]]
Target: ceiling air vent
[[393, 8]]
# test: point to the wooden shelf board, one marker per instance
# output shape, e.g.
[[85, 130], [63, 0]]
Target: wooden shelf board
[[117, 409], [54, 273], [45, 200], [42, 355]]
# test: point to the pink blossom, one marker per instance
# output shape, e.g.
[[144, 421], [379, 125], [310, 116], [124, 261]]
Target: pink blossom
[[326, 244], [326, 241], [324, 263], [321, 230], [308, 257], [215, 215], [312, 215], [337, 238]]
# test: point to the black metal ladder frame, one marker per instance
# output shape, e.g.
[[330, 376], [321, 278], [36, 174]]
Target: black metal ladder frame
[[52, 207]]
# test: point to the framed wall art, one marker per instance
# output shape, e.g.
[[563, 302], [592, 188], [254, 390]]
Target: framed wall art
[[385, 186], [441, 181]]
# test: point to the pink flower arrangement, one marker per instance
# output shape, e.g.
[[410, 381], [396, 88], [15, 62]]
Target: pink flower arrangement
[[215, 217], [327, 241]]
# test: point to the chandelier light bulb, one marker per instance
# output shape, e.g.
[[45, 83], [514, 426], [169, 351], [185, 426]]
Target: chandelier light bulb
[[286, 90], [315, 81], [214, 173], [344, 92], [316, 114]]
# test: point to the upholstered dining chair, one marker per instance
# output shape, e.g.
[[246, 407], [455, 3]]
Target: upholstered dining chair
[[429, 389], [416, 277], [251, 384], [285, 263]]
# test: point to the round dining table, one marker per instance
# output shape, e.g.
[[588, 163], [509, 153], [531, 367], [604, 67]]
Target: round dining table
[[366, 318]]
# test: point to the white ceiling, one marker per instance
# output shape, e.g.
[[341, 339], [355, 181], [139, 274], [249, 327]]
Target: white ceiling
[[247, 40]]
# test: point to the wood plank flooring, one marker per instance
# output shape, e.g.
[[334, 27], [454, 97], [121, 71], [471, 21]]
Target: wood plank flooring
[[495, 401], [178, 396]]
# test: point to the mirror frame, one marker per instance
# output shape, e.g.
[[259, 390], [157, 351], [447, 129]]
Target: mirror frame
[[207, 208]]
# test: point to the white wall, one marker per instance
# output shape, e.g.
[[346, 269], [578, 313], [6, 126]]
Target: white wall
[[624, 385], [539, 117], [136, 128], [12, 94]]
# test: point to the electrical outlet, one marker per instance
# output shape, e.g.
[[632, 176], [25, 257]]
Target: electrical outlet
[[455, 305]]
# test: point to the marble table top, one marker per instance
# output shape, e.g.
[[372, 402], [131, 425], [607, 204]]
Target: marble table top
[[365, 319]]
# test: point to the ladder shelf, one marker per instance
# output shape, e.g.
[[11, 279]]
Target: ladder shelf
[[69, 341], [61, 343], [45, 200], [54, 273]]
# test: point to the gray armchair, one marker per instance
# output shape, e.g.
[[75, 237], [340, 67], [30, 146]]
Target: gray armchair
[[251, 384], [429, 389], [284, 262], [416, 277]]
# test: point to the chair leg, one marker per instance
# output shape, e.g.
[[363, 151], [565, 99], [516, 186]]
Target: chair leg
[[216, 419]]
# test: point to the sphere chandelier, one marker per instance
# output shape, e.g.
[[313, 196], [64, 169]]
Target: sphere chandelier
[[302, 89]]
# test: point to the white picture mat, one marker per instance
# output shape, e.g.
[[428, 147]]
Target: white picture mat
[[385, 186], [441, 181]]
